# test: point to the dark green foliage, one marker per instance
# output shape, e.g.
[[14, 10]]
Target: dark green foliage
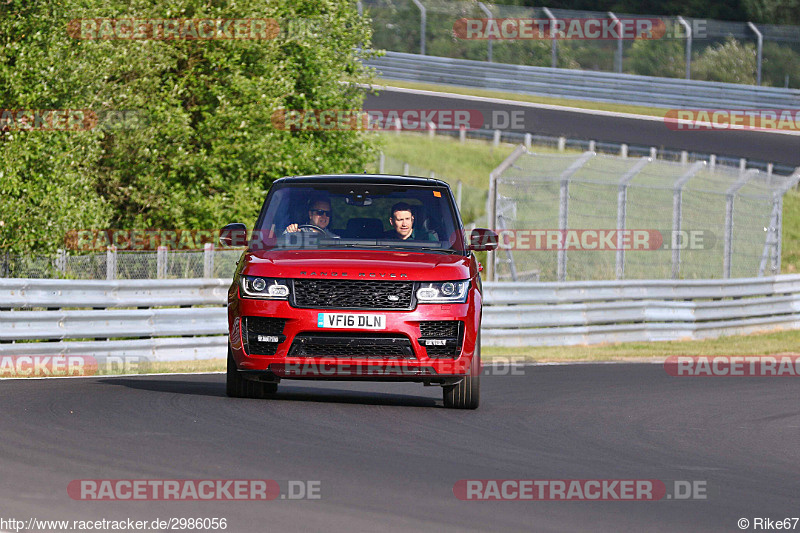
[[204, 150]]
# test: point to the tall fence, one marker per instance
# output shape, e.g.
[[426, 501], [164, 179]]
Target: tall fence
[[695, 221], [770, 53], [171, 320], [123, 264]]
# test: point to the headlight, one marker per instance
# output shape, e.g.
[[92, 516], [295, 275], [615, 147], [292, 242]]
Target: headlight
[[451, 292], [266, 288]]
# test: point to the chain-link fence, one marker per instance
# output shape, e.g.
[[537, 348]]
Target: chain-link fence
[[593, 216], [113, 264], [765, 53]]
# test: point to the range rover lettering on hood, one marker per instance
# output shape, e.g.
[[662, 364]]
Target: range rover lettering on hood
[[375, 275]]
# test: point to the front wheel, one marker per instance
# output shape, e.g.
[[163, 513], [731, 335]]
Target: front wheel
[[467, 393], [238, 387]]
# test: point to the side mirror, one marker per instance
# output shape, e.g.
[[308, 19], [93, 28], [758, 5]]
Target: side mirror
[[482, 239], [233, 235]]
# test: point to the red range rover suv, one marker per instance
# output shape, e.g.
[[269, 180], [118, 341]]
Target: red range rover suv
[[357, 277]]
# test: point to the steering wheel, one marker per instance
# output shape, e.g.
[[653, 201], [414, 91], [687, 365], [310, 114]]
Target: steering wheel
[[312, 227]]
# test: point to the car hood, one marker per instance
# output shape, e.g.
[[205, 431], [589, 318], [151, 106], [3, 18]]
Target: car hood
[[357, 264]]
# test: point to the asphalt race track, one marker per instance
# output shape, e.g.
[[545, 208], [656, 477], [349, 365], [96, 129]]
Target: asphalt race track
[[387, 456], [764, 146]]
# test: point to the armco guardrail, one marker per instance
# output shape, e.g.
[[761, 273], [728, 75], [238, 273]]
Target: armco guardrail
[[165, 312], [590, 312], [516, 314], [583, 84]]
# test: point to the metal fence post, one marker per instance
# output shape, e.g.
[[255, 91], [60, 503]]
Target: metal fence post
[[491, 203], [459, 185], [622, 204], [677, 205], [61, 261], [688, 46], [760, 40], [563, 223], [208, 260], [423, 20], [618, 57], [553, 42], [161, 262], [489, 16], [730, 194], [563, 209], [111, 262]]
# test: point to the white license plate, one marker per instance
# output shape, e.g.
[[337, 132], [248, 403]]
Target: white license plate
[[350, 321]]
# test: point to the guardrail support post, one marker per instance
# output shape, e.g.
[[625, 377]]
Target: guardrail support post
[[496, 139], [405, 169], [562, 144], [653, 152], [459, 186], [623, 150], [688, 46], [677, 206], [382, 163], [208, 260], [431, 130], [592, 146], [161, 262], [111, 262], [462, 134], [528, 138], [423, 20], [684, 157]]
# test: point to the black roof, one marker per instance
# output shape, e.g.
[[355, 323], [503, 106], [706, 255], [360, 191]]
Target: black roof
[[381, 179]]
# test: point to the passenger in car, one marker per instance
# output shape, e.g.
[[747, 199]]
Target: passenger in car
[[319, 215], [401, 219]]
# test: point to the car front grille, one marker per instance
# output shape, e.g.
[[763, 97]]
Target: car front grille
[[441, 338], [262, 335], [350, 345], [352, 294]]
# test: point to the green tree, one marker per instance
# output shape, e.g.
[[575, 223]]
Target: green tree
[[731, 62], [657, 57], [204, 150]]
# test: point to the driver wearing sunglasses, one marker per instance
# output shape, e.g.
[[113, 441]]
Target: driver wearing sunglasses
[[319, 218]]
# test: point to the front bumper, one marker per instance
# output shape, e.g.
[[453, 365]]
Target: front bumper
[[411, 363]]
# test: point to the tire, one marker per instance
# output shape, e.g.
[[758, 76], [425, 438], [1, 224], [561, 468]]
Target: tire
[[237, 386], [467, 393]]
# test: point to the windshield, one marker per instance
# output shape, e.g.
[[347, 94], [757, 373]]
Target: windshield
[[338, 216]]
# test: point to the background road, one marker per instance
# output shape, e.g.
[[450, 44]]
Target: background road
[[388, 455], [764, 146]]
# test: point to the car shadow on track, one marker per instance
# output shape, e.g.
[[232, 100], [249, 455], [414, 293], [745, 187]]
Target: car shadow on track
[[286, 393]]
